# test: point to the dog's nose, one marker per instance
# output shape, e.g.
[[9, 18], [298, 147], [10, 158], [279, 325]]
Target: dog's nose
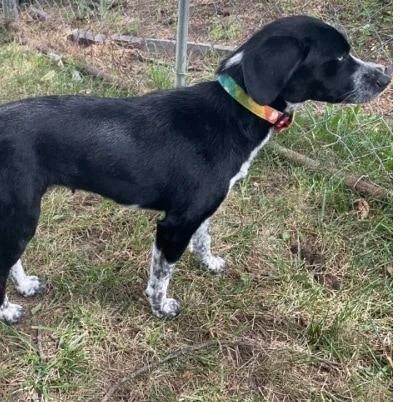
[[384, 77], [382, 81]]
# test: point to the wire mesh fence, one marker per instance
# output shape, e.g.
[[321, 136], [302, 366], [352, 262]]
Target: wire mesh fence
[[133, 41]]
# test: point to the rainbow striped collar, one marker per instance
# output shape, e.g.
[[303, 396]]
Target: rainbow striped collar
[[279, 120]]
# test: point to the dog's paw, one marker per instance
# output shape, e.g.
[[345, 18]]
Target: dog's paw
[[214, 264], [168, 309], [31, 286], [11, 313]]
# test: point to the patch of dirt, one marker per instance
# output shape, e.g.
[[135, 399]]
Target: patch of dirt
[[328, 280], [315, 261], [312, 259]]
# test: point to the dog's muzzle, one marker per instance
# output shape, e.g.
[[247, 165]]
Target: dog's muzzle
[[384, 77]]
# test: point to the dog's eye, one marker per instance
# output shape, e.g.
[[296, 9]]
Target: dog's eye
[[341, 58]]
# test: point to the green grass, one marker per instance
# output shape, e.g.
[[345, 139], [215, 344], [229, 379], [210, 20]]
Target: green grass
[[362, 142], [160, 76], [299, 340], [26, 74]]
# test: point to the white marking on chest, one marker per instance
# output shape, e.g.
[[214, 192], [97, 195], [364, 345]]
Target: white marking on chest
[[246, 165]]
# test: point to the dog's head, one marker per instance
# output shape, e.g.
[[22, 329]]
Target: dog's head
[[301, 58]]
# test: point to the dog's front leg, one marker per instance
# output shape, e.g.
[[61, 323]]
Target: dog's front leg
[[172, 238], [200, 246], [158, 282], [25, 285]]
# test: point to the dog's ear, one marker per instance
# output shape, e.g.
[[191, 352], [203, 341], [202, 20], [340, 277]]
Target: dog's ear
[[268, 66]]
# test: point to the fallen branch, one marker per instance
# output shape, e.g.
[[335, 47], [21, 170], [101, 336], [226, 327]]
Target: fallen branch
[[174, 355], [357, 183]]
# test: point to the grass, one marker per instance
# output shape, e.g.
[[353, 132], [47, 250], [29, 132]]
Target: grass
[[299, 340]]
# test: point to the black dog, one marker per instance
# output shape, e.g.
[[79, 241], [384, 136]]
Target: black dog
[[178, 151]]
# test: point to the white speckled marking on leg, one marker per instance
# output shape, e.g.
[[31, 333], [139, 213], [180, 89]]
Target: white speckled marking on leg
[[159, 277], [10, 313], [24, 284], [200, 246]]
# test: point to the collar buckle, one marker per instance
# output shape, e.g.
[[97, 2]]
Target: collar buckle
[[284, 121]]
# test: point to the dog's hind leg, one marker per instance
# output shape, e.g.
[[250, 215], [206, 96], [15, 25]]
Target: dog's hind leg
[[17, 226], [172, 238], [200, 246]]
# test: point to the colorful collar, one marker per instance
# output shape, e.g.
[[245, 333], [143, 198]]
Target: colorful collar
[[278, 119]]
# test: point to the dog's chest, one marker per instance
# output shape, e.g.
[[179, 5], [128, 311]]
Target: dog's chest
[[246, 165]]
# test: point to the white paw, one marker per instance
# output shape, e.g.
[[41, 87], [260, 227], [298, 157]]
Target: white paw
[[214, 264], [31, 286], [11, 313], [168, 309]]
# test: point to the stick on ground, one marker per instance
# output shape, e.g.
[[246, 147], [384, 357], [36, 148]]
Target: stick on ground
[[357, 183]]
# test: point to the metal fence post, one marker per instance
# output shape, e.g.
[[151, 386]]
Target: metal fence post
[[181, 43], [10, 10]]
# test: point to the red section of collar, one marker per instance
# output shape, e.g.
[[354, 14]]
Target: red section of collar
[[284, 122]]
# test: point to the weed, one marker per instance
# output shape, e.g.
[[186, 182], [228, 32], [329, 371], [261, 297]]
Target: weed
[[160, 76]]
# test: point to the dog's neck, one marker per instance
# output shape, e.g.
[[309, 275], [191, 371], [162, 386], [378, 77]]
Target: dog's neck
[[280, 120]]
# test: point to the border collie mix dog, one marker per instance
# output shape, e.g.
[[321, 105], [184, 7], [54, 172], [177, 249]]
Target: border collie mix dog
[[178, 151]]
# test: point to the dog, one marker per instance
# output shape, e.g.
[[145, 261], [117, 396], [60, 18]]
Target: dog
[[179, 151]]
